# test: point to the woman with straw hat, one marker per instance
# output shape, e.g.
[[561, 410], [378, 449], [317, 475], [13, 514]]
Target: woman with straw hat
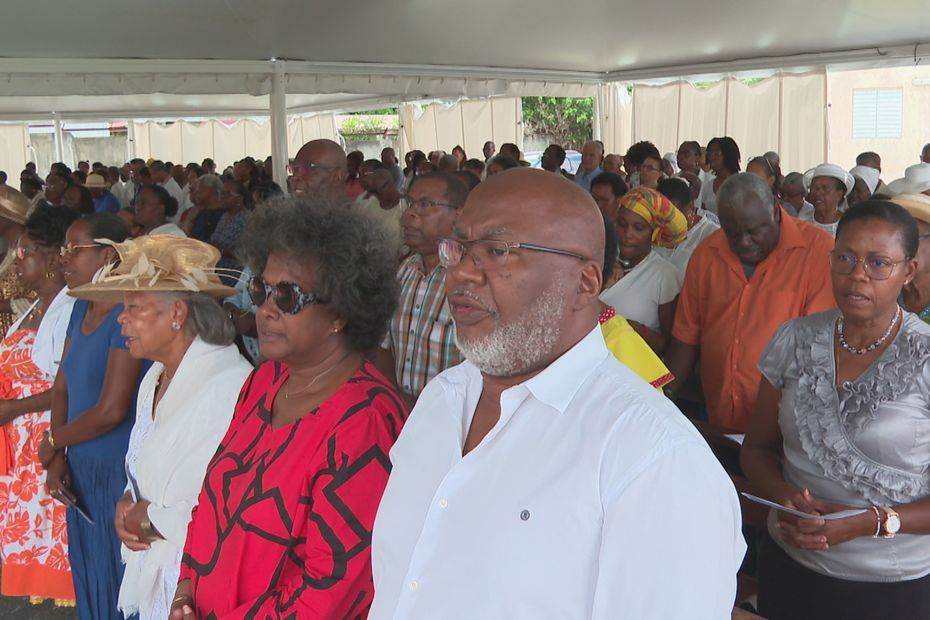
[[184, 405], [85, 448]]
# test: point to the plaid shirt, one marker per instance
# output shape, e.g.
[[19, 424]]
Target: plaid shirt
[[422, 335]]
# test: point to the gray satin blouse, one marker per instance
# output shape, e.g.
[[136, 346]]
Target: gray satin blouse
[[865, 444]]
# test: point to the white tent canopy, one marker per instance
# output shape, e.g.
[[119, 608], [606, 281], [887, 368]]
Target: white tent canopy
[[178, 58]]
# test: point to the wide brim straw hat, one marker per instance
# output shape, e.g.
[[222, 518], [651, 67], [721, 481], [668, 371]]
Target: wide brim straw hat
[[918, 205], [156, 264], [829, 170], [13, 204]]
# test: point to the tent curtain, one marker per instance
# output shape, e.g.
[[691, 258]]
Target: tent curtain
[[185, 141], [468, 123], [14, 152], [785, 113]]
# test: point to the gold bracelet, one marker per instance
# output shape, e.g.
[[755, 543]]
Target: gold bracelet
[[147, 530], [51, 440], [183, 597]]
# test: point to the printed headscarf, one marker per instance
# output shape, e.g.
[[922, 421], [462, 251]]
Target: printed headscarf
[[669, 225]]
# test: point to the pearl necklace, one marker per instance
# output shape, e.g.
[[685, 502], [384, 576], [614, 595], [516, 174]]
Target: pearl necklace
[[874, 345]]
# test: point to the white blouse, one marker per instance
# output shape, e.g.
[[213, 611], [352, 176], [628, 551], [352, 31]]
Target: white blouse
[[168, 456], [638, 294], [681, 253]]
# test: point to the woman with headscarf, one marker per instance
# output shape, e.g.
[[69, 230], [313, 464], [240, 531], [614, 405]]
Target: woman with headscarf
[[915, 296], [647, 285], [865, 182], [84, 450], [723, 158], [184, 405], [34, 547], [312, 428], [621, 339], [828, 185]]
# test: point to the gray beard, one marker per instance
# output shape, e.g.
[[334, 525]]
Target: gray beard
[[513, 348]]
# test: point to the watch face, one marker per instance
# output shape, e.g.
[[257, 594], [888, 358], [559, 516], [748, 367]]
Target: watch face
[[892, 524]]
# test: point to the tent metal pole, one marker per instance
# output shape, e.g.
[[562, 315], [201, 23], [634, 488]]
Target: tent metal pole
[[59, 140], [130, 140], [279, 155]]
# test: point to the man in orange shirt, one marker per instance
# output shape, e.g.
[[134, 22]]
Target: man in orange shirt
[[761, 269]]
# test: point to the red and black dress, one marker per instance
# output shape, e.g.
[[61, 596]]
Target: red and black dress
[[283, 522]]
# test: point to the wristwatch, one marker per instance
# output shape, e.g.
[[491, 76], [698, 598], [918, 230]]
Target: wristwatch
[[891, 524]]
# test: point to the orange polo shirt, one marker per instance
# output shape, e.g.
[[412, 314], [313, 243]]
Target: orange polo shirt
[[732, 318]]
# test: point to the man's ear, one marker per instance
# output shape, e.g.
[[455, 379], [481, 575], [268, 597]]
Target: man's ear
[[589, 285]]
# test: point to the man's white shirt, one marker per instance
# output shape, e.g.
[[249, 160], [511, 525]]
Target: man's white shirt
[[592, 497]]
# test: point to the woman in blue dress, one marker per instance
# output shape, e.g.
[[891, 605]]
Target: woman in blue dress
[[93, 394]]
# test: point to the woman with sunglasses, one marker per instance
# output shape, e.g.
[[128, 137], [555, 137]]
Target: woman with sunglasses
[[283, 523], [184, 406], [841, 423], [85, 448], [35, 551]]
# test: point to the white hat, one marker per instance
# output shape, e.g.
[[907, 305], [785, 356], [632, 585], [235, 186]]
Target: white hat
[[916, 180], [868, 175], [672, 158], [829, 170]]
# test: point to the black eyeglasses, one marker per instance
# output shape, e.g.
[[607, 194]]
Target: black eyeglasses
[[489, 253], [287, 296]]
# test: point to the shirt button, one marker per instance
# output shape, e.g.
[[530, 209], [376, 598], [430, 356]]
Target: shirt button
[[416, 307], [443, 503], [414, 585]]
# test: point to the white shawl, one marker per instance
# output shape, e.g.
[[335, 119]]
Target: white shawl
[[190, 421], [53, 330]]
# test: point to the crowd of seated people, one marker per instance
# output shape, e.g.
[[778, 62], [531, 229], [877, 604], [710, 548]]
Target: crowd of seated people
[[436, 386]]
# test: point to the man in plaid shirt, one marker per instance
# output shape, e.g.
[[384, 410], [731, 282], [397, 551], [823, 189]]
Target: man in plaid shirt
[[421, 340]]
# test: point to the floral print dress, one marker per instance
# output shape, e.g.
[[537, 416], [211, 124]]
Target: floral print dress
[[33, 532]]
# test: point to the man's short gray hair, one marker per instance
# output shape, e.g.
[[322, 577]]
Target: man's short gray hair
[[596, 143], [205, 317], [738, 187]]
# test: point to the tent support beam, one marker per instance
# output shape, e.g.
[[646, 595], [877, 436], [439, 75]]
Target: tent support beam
[[279, 155], [59, 140]]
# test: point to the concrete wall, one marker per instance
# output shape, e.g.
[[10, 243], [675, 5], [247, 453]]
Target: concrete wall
[[898, 153]]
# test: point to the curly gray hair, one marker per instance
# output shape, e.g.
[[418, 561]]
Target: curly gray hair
[[353, 258]]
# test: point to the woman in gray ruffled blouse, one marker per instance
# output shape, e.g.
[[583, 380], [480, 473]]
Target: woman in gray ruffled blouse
[[843, 422]]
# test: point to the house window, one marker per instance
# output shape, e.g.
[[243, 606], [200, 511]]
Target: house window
[[877, 113]]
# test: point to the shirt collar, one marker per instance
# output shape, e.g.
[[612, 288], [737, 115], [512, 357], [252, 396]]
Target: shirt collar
[[557, 384]]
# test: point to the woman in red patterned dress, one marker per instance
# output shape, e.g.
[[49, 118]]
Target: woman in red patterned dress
[[33, 539], [283, 523]]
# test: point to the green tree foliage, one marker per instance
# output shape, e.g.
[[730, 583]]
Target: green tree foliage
[[569, 120]]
